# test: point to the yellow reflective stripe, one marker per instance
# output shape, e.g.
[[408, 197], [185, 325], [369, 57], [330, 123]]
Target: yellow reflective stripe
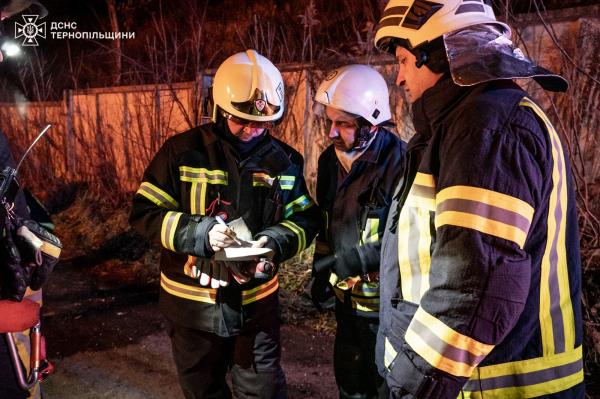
[[299, 204], [260, 292], [406, 275], [299, 231], [486, 211], [365, 296], [414, 246], [424, 249], [442, 347], [264, 180], [527, 378], [206, 295], [365, 304], [422, 192], [202, 175], [371, 232], [169, 226], [158, 196], [198, 198], [389, 354], [426, 180], [287, 182], [488, 197], [557, 322]]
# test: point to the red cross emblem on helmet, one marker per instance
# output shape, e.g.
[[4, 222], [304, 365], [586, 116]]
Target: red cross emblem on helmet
[[260, 105]]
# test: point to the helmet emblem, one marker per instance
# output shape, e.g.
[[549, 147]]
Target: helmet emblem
[[260, 105]]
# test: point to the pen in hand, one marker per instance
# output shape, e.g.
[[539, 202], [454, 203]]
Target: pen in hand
[[221, 221]]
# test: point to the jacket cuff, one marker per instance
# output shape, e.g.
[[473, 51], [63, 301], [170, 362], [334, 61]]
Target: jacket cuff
[[406, 378], [202, 246]]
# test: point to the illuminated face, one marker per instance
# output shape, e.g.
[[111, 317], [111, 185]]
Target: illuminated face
[[415, 80], [244, 133], [343, 129]]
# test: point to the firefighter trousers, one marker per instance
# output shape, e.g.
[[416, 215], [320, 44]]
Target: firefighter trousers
[[354, 357], [252, 358]]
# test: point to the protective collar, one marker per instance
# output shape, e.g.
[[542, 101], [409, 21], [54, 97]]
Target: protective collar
[[480, 53]]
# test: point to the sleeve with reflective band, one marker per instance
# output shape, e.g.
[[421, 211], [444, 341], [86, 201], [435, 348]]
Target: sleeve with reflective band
[[202, 175], [556, 309], [484, 210], [526, 378], [264, 180], [260, 292], [169, 227], [206, 295], [299, 231], [414, 248], [158, 196], [442, 347], [299, 204]]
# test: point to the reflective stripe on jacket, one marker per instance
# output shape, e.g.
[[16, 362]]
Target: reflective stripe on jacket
[[195, 176], [480, 261]]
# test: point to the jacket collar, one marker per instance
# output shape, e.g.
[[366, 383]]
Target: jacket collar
[[433, 106]]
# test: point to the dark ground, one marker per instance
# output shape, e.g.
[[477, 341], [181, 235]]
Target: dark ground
[[106, 340]]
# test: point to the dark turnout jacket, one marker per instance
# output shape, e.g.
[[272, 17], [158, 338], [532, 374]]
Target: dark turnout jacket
[[197, 175], [480, 266], [356, 205]]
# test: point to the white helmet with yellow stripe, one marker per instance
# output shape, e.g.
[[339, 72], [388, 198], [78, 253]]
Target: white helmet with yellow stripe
[[248, 89], [417, 22]]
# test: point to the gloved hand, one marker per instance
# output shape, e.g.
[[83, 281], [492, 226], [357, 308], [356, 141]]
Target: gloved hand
[[320, 290], [344, 264], [214, 273], [13, 281], [243, 272], [39, 250]]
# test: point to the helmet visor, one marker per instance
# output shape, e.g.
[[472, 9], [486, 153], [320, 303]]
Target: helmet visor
[[248, 123]]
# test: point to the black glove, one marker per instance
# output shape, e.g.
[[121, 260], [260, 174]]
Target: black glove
[[13, 283], [320, 290], [344, 264], [38, 261]]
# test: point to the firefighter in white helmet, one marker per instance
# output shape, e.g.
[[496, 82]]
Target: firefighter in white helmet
[[480, 268], [223, 315], [356, 178]]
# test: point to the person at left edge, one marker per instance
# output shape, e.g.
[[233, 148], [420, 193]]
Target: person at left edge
[[235, 169], [9, 388], [356, 179]]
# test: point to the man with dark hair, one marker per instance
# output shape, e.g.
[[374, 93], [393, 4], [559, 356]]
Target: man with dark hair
[[480, 274]]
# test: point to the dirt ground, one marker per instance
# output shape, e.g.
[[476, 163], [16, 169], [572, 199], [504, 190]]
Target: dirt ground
[[106, 340]]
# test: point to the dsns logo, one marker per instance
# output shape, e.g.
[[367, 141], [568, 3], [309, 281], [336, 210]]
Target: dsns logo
[[30, 30]]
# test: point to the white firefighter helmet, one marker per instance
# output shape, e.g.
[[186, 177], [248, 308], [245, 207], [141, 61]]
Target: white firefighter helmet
[[356, 89], [420, 21], [248, 89]]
